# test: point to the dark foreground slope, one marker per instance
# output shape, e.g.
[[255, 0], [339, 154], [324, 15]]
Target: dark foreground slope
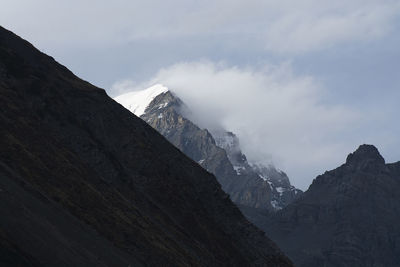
[[83, 182], [349, 216]]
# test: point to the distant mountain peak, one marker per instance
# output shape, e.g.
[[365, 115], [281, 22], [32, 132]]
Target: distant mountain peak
[[347, 217], [364, 156], [138, 101], [217, 151]]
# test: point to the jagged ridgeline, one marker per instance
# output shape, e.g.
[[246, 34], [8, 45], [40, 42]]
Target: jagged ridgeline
[[250, 186], [84, 182], [349, 216]]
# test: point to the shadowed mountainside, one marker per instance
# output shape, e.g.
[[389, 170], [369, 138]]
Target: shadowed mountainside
[[83, 182], [349, 217]]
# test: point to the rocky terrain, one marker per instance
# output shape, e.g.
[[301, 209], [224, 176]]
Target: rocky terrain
[[84, 182], [348, 217], [282, 193], [251, 187]]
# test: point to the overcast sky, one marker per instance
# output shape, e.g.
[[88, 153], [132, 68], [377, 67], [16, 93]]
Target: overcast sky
[[302, 83]]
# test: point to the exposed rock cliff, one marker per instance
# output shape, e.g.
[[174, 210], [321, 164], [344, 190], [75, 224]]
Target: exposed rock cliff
[[349, 216], [249, 186]]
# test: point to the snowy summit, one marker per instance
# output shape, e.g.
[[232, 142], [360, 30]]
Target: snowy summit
[[137, 101]]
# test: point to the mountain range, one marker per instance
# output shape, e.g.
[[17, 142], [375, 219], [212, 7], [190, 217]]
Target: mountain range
[[84, 182], [348, 217]]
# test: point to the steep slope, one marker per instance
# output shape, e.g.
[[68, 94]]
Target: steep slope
[[349, 216], [281, 191], [83, 182], [249, 186]]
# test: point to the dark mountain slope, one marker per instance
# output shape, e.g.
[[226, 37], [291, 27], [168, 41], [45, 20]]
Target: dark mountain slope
[[349, 216], [86, 183]]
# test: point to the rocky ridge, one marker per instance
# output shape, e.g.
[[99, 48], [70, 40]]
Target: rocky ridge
[[249, 185], [350, 216]]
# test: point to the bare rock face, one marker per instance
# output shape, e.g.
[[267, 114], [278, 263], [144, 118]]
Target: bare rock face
[[349, 216], [84, 182], [249, 186], [366, 158]]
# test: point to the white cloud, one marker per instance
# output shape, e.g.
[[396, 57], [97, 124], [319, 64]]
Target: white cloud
[[277, 115]]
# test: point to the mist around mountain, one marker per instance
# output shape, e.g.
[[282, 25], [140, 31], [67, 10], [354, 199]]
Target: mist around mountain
[[84, 182], [348, 217], [250, 186]]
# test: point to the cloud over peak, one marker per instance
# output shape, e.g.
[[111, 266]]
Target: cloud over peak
[[279, 116]]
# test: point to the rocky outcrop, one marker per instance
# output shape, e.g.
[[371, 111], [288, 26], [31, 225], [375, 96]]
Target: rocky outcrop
[[280, 192], [253, 186], [84, 182], [164, 115], [349, 216]]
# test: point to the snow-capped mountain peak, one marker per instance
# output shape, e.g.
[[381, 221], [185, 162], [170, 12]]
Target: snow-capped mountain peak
[[138, 101]]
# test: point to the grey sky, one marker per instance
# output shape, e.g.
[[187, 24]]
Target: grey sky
[[324, 75]]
